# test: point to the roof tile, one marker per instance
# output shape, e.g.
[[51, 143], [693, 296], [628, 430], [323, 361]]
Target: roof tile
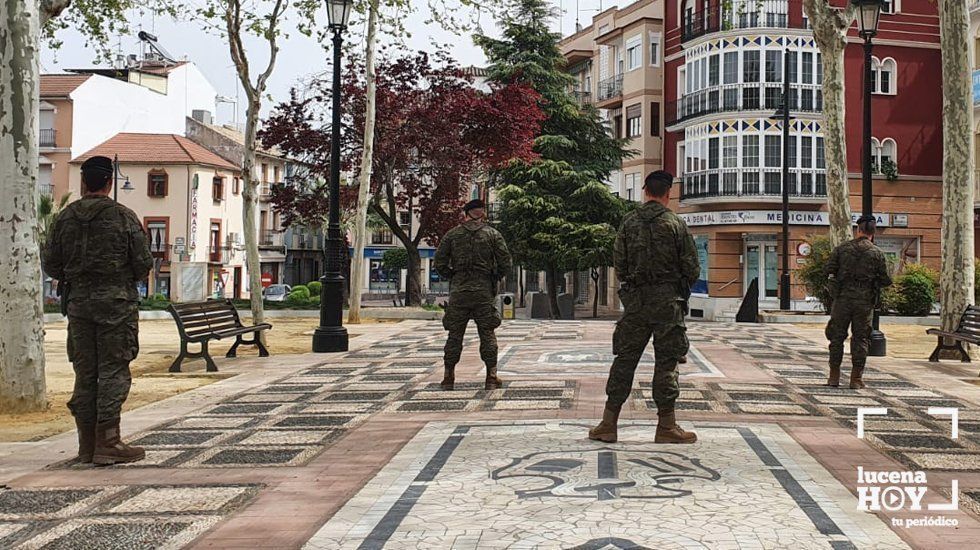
[[155, 149], [60, 85]]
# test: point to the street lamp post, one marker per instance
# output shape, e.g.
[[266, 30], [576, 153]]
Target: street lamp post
[[869, 13], [116, 174], [782, 114], [331, 336]]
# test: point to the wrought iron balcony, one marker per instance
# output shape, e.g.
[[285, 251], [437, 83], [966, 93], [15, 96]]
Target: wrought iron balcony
[[583, 98], [742, 14], [270, 238], [611, 87], [728, 98], [220, 254], [47, 137]]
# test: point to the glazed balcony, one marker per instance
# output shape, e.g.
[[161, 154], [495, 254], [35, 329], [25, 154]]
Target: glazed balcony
[[730, 98], [743, 14], [753, 185]]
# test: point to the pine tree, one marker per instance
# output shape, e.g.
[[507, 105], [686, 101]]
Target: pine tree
[[556, 212]]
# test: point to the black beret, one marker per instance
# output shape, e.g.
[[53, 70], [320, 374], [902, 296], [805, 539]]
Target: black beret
[[475, 203], [659, 175], [98, 164], [866, 218]]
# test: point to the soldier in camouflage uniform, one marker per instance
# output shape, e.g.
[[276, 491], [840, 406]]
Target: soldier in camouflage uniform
[[656, 262], [473, 256], [856, 271], [98, 250]]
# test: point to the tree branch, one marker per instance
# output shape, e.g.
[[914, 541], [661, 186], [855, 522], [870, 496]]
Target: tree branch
[[272, 36]]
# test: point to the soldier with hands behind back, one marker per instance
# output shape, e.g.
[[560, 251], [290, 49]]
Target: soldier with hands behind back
[[473, 257], [98, 251], [656, 262]]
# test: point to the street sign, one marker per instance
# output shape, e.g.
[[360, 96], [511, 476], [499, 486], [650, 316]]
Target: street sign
[[266, 279]]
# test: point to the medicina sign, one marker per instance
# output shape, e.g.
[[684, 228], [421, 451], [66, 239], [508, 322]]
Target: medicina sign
[[767, 217]]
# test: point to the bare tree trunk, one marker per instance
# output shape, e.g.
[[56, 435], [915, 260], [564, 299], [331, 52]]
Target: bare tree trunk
[[830, 33], [22, 384], [367, 158], [254, 92], [956, 280]]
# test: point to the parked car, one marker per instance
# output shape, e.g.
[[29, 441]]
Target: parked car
[[276, 293]]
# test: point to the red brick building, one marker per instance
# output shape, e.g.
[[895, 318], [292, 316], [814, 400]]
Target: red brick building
[[723, 70]]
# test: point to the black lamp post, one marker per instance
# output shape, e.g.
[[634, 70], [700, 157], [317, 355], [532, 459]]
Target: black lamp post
[[782, 114], [869, 13], [116, 174], [331, 336]]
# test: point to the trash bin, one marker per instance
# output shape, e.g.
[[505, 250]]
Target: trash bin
[[506, 305]]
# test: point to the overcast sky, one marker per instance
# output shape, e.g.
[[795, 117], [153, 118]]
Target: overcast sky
[[299, 58]]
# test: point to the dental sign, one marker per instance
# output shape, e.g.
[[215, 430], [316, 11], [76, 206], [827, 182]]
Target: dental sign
[[767, 217]]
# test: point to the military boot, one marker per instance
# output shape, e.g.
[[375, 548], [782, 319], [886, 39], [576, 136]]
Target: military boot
[[109, 448], [606, 431], [856, 382], [669, 432], [449, 379], [493, 381], [86, 439], [833, 380]]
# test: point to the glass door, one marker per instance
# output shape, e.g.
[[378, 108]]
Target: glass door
[[762, 262]]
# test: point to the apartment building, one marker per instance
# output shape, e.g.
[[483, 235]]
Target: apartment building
[[721, 68], [85, 107], [278, 247], [190, 202], [725, 65]]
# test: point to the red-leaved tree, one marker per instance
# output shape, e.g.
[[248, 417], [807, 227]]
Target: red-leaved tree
[[436, 133]]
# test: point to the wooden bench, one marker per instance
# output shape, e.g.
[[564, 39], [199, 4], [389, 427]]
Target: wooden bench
[[968, 330], [201, 322]]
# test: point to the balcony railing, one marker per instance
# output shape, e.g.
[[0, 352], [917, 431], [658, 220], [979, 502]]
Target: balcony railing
[[583, 98], [219, 254], [46, 189], [270, 238], [611, 87], [47, 137], [306, 242], [754, 183], [742, 14], [160, 250], [729, 98]]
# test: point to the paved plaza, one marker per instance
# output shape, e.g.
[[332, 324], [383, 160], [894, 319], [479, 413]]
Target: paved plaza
[[363, 451]]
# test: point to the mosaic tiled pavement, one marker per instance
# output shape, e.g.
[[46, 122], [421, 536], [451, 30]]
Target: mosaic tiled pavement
[[362, 450]]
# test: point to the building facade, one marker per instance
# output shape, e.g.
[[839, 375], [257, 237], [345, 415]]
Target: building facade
[[724, 71], [85, 107], [190, 202]]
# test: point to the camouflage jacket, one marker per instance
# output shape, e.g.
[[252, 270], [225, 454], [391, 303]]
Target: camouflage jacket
[[473, 256], [857, 269], [99, 248], [655, 251]]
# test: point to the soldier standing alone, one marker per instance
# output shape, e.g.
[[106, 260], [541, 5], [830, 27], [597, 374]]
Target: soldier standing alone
[[857, 271], [99, 250], [656, 262], [473, 256]]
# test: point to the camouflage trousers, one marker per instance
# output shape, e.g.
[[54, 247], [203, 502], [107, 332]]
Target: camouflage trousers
[[103, 337], [665, 323], [856, 314], [479, 307]]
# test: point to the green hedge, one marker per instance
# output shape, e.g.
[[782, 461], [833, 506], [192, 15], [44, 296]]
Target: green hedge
[[812, 272], [913, 292], [315, 287]]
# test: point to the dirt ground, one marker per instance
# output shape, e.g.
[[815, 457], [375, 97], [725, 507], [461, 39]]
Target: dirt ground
[[159, 345]]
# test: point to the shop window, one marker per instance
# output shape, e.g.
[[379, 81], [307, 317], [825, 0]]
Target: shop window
[[437, 284], [156, 183], [382, 279]]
